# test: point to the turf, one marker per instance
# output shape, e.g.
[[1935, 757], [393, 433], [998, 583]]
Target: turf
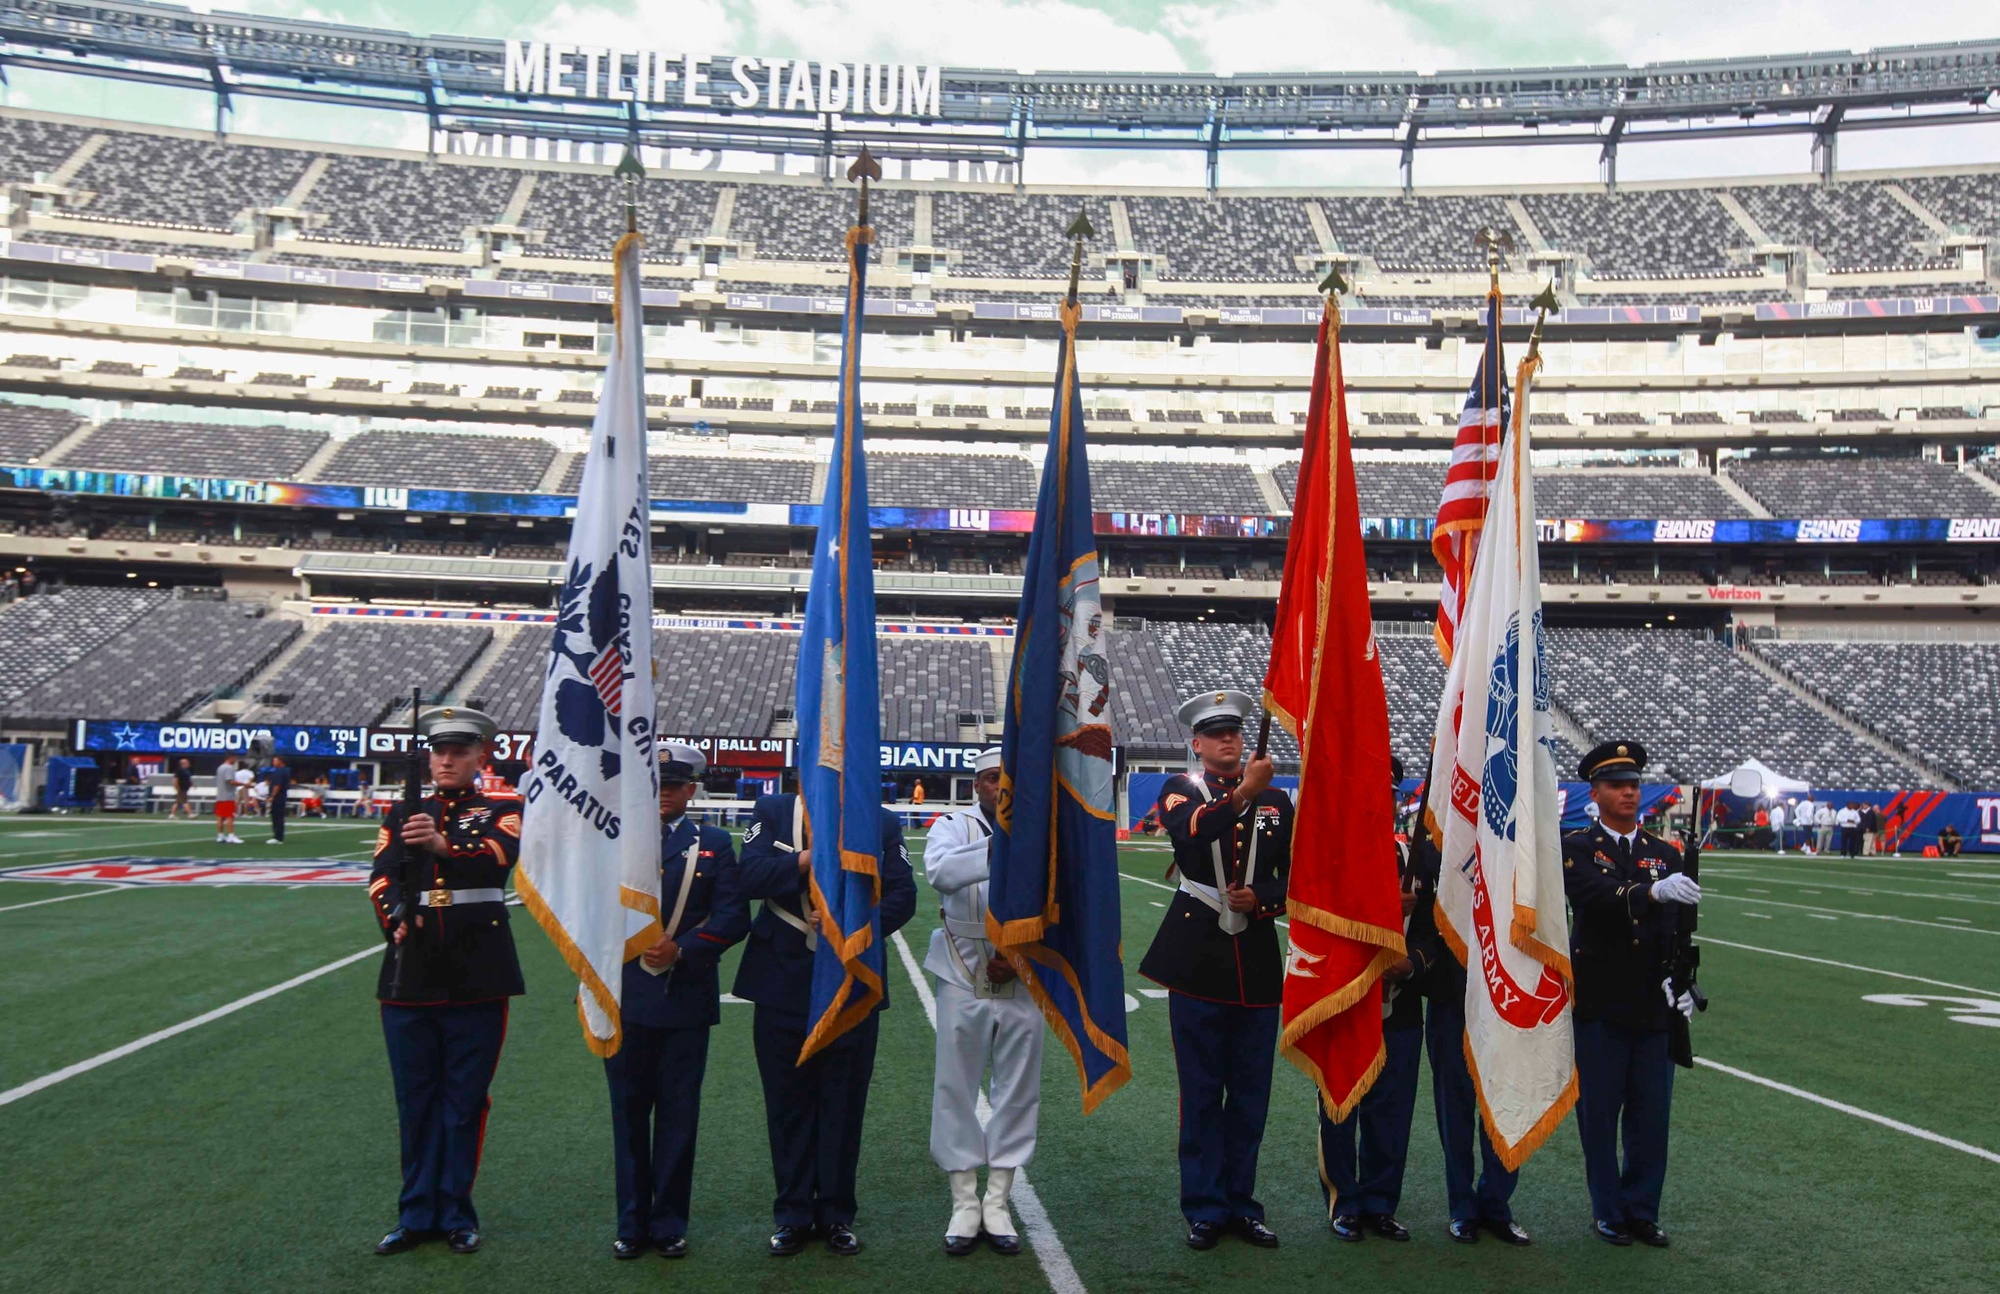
[[258, 1151]]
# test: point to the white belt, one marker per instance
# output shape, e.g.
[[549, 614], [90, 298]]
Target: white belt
[[452, 898], [965, 929], [795, 921], [1206, 893]]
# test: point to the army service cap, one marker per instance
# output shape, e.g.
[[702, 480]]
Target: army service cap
[[456, 725], [680, 763], [1614, 761], [1218, 711]]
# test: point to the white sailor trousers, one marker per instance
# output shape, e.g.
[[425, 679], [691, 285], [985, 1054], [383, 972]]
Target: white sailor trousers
[[971, 1033]]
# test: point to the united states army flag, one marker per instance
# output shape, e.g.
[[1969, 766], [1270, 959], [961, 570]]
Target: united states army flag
[[1493, 795], [590, 836]]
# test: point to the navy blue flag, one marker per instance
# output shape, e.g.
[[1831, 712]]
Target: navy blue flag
[[1052, 895], [840, 727]]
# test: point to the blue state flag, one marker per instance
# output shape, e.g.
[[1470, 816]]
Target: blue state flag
[[1052, 894], [840, 727]]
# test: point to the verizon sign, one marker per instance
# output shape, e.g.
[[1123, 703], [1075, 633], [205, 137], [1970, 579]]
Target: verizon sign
[[559, 70]]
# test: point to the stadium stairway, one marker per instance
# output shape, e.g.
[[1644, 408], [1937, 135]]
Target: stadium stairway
[[1274, 498], [310, 470], [1741, 495], [1570, 731], [1785, 682], [54, 453], [557, 473], [475, 674], [257, 682], [1981, 479]]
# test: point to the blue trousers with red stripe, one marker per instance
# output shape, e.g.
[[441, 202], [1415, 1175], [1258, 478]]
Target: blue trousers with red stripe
[[442, 1059], [1223, 1054]]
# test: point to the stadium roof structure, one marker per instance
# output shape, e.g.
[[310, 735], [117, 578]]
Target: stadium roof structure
[[461, 84]]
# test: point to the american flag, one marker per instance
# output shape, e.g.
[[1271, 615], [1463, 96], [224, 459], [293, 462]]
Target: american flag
[[1475, 458], [608, 673]]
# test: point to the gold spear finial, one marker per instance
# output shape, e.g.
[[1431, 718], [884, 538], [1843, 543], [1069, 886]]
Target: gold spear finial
[[1543, 304], [629, 171], [1079, 229], [1494, 242], [864, 169]]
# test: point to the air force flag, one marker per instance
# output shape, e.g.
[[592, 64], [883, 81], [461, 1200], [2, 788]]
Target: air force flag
[[590, 836]]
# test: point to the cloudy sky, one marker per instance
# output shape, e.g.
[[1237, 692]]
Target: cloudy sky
[[1186, 35]]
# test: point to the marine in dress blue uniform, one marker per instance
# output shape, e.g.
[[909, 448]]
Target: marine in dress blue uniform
[[445, 1018], [1362, 1157], [813, 1111], [1476, 1204], [1216, 954], [1624, 886], [671, 997]]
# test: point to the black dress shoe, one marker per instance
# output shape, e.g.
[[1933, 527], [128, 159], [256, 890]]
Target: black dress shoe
[[1347, 1227], [671, 1247], [1385, 1226], [401, 1240], [1648, 1233], [626, 1250], [1611, 1233], [1254, 1230], [960, 1246], [786, 1241], [1509, 1232], [463, 1241], [841, 1240], [1008, 1245], [1464, 1232], [1203, 1235]]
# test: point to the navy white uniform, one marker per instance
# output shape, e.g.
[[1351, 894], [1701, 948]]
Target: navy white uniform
[[1621, 934], [444, 1020], [813, 1111], [1224, 976], [1363, 1156], [656, 1075]]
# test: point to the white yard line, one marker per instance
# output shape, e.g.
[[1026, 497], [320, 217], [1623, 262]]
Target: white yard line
[[1848, 912], [1048, 1246], [1707, 939], [64, 898], [1897, 1125], [14, 1094], [1853, 889]]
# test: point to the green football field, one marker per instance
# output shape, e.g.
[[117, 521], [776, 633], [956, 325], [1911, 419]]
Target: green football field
[[1828, 1142]]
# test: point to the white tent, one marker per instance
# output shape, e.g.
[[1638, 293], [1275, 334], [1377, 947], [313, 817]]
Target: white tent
[[1772, 782]]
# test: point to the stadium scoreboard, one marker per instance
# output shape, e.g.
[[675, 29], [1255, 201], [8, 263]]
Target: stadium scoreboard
[[134, 737]]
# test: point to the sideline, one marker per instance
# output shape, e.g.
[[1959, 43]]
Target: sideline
[[33, 1086], [1706, 939], [1048, 1246], [1923, 1134]]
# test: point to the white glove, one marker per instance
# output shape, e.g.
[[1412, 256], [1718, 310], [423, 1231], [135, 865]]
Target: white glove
[[1677, 888], [1683, 1004]]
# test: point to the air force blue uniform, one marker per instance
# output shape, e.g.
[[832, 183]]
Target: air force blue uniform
[[656, 1075], [1362, 1157], [1225, 989], [813, 1111], [1441, 978], [445, 1020]]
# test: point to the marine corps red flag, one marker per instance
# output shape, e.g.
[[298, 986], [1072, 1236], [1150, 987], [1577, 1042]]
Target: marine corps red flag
[[1325, 686]]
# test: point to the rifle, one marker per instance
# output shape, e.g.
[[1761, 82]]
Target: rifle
[[406, 879], [1682, 963]]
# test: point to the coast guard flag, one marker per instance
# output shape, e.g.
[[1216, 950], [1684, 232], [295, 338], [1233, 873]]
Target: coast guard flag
[[1475, 456], [590, 833], [1494, 793], [1052, 891], [840, 728], [1325, 686]]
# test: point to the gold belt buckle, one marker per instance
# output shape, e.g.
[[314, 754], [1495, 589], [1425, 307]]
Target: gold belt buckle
[[440, 898]]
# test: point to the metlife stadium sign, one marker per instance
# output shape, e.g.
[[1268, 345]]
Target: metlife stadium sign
[[556, 69]]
